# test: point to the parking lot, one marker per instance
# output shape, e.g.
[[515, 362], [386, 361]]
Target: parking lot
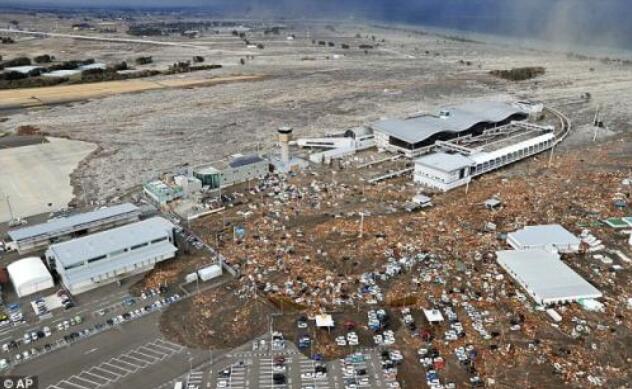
[[263, 369], [131, 362]]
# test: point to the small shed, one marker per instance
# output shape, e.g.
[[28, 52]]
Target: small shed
[[29, 275]]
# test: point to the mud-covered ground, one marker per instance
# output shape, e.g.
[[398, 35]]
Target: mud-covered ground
[[313, 88]]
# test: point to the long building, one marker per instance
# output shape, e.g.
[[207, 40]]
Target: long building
[[86, 263], [545, 277], [414, 135], [40, 236], [444, 171]]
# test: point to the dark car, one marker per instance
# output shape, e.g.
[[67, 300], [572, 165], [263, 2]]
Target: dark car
[[278, 378]]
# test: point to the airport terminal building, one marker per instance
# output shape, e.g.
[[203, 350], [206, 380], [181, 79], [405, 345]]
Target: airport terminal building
[[89, 262], [414, 135]]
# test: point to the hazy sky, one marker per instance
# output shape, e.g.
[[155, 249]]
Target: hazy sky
[[588, 22]]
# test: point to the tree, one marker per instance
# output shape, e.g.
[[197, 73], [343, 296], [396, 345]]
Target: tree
[[45, 58]]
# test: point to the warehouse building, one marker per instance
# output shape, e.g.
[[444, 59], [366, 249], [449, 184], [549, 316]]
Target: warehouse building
[[545, 277], [86, 263], [549, 237], [29, 276], [40, 236], [234, 170], [414, 135]]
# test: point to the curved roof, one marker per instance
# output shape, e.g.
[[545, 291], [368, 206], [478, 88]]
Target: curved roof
[[28, 271], [460, 118]]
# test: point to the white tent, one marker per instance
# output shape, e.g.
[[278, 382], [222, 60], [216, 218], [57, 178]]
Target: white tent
[[29, 275]]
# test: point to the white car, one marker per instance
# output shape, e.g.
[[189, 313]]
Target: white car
[[341, 341], [3, 364], [27, 338], [47, 331]]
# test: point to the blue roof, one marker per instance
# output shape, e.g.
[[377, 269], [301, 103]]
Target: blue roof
[[72, 223]]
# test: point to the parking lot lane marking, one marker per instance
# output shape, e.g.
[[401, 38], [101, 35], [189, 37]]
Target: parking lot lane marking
[[101, 372], [158, 348], [83, 383], [137, 354], [171, 345], [99, 381], [123, 365], [150, 352], [133, 361], [115, 369], [68, 385]]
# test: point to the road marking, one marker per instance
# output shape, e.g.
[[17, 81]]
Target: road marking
[[126, 366], [115, 369], [105, 374], [83, 383], [128, 363], [91, 351], [68, 385]]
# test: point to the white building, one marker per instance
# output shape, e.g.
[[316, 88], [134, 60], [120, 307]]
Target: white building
[[29, 275], [442, 171], [550, 237], [112, 255], [445, 171], [545, 277], [189, 185], [340, 146]]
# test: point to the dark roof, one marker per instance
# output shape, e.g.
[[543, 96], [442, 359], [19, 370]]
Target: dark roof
[[245, 160]]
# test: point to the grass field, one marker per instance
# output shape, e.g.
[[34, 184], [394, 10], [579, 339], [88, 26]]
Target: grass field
[[33, 97]]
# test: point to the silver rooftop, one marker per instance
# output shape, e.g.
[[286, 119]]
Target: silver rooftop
[[445, 162], [71, 223], [544, 235], [101, 243], [461, 118], [545, 275]]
